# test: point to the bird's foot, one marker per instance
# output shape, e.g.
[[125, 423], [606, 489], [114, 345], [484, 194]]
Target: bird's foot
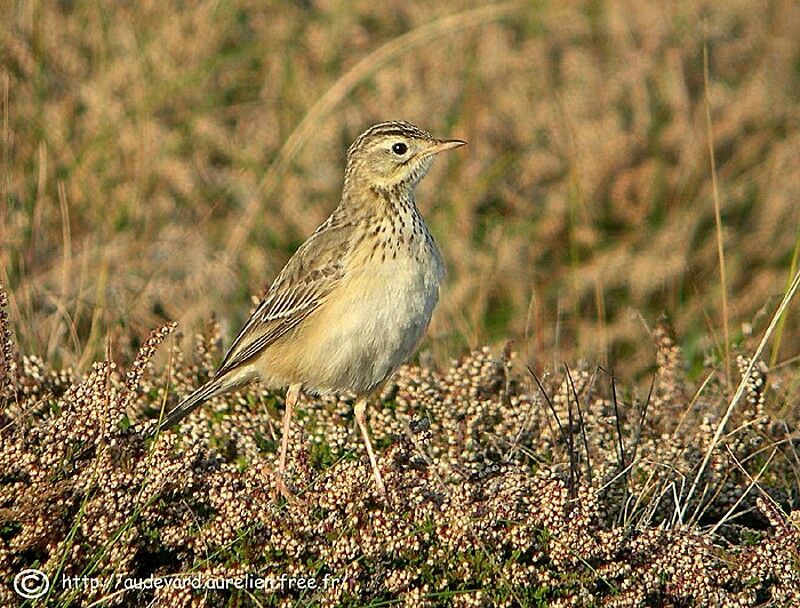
[[383, 493], [387, 503], [283, 489]]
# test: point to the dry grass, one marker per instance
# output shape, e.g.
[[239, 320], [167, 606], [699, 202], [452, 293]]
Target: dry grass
[[626, 159], [140, 145]]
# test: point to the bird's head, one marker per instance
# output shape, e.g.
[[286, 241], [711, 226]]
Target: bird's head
[[393, 155]]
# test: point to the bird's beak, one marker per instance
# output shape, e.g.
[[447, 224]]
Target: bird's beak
[[440, 145]]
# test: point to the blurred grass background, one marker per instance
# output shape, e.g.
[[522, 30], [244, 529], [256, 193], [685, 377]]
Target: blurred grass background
[[162, 160]]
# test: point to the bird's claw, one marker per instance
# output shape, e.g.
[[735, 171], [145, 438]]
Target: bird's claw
[[283, 489]]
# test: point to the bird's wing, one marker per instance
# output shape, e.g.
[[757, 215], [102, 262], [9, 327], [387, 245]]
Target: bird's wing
[[306, 281]]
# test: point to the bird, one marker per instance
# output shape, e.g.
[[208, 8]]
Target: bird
[[355, 299]]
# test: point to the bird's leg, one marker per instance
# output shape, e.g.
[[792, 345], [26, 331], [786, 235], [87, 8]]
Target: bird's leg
[[360, 411], [292, 395]]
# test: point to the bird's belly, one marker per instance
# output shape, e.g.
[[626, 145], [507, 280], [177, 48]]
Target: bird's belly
[[368, 327]]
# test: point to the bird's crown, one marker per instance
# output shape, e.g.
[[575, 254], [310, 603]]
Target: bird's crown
[[393, 154]]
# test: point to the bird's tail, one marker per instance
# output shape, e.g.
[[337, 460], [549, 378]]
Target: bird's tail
[[196, 398]]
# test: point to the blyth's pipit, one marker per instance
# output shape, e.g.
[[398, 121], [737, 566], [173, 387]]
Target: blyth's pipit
[[355, 299]]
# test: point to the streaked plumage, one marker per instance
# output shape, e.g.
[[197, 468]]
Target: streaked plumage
[[355, 299]]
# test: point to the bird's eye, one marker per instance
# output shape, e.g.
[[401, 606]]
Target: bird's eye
[[399, 148]]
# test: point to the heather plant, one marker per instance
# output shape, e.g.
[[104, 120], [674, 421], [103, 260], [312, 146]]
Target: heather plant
[[507, 489], [159, 163]]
